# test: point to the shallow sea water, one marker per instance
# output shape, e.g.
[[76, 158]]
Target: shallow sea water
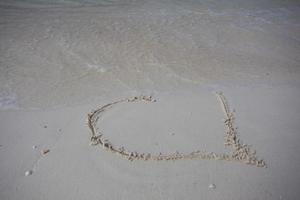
[[76, 52]]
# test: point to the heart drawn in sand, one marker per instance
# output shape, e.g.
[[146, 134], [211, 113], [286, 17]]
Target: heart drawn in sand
[[240, 152]]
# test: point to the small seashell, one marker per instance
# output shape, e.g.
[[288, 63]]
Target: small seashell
[[45, 151], [28, 173], [212, 186]]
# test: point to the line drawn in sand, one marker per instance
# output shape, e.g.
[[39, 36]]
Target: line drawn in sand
[[240, 152]]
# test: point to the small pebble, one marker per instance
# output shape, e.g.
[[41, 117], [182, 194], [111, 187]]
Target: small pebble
[[212, 186], [45, 151], [34, 147], [28, 173]]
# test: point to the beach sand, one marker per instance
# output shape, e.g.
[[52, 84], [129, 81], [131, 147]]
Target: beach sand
[[61, 61]]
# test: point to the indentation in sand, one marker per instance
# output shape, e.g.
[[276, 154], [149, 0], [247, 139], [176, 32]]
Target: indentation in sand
[[240, 152]]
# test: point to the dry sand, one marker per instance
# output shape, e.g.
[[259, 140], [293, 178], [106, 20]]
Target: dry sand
[[60, 61]]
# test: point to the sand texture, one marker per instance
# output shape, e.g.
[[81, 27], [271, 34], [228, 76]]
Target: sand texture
[[201, 98]]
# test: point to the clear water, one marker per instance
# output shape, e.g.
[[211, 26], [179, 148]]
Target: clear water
[[70, 52]]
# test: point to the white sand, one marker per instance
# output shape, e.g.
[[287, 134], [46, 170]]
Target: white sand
[[59, 61]]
